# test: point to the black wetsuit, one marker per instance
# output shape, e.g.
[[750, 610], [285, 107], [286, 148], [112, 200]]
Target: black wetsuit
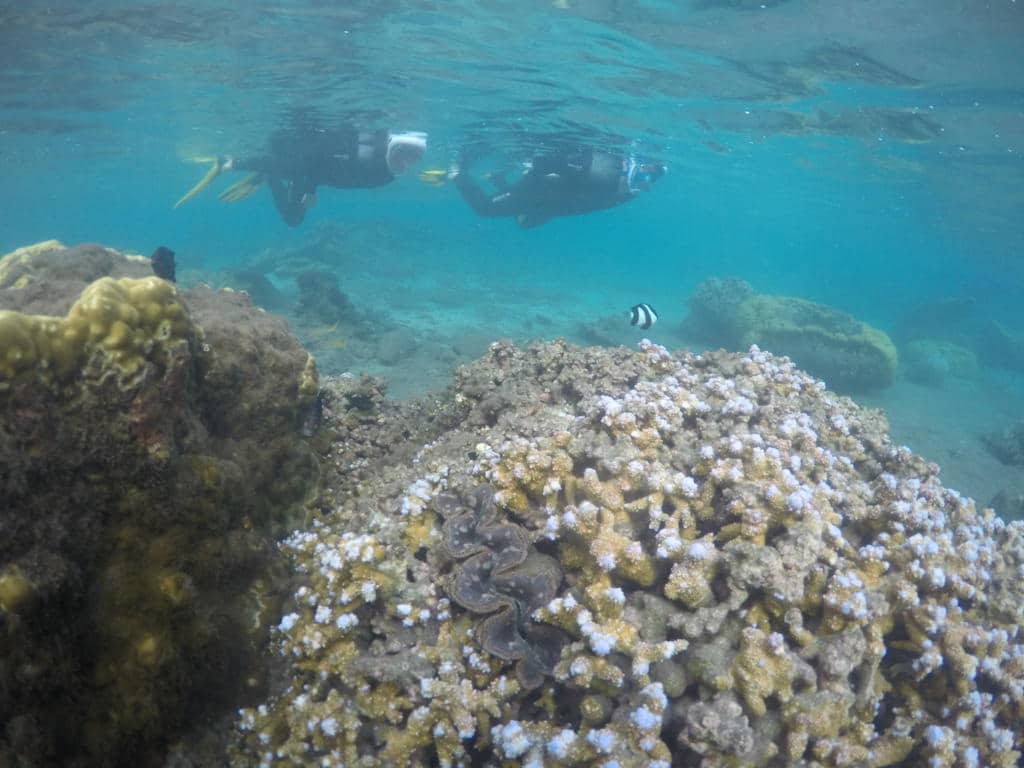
[[555, 185], [302, 159]]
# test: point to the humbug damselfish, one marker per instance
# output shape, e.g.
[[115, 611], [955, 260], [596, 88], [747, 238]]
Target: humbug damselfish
[[643, 315]]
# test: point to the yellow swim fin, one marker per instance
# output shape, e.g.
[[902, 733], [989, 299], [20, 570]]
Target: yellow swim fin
[[211, 174], [434, 176], [242, 189]]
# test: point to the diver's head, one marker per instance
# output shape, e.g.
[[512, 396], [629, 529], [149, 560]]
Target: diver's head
[[642, 173], [405, 150]]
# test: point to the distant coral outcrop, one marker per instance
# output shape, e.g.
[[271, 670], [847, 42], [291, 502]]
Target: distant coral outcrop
[[848, 354]]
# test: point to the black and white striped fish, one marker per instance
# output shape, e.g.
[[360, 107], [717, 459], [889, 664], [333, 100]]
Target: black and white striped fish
[[643, 316]]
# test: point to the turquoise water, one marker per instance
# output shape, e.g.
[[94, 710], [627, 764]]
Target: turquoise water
[[868, 156]]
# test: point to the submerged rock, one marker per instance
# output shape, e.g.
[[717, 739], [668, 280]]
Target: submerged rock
[[1001, 347], [942, 318], [47, 278], [320, 299], [149, 458], [259, 287], [1007, 445], [849, 354], [713, 310], [730, 566], [933, 361], [1008, 504]]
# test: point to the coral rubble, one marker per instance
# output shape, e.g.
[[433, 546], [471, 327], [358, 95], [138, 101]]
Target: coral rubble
[[608, 558], [150, 455]]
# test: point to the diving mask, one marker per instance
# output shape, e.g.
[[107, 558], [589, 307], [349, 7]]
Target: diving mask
[[405, 150], [641, 174]]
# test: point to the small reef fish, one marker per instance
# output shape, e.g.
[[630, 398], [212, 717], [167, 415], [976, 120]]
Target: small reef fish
[[162, 261], [643, 316]]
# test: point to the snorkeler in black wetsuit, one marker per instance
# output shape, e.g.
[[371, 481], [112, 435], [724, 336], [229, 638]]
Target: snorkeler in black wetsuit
[[565, 184], [301, 159]]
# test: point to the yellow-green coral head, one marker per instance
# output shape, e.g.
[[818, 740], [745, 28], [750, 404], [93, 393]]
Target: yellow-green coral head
[[15, 588]]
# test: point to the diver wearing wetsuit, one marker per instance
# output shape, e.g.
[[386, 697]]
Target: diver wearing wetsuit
[[566, 184], [300, 159]]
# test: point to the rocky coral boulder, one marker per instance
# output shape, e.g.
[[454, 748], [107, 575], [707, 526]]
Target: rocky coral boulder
[[603, 557], [150, 455], [320, 298], [47, 278], [713, 310], [933, 361], [1007, 445], [1008, 504], [848, 354]]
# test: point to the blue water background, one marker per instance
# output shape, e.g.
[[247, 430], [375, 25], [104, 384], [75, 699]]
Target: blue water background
[[869, 155]]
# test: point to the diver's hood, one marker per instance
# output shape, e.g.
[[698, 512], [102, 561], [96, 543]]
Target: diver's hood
[[405, 150]]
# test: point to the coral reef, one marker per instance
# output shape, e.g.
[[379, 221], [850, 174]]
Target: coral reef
[[117, 328], [849, 354], [731, 566], [149, 457]]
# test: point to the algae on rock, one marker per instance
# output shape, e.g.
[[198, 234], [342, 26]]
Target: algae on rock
[[150, 456], [848, 354]]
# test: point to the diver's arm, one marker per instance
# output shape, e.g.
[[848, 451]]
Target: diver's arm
[[288, 203], [504, 204], [499, 180]]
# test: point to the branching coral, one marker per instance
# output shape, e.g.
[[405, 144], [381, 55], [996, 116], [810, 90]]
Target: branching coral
[[748, 574]]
